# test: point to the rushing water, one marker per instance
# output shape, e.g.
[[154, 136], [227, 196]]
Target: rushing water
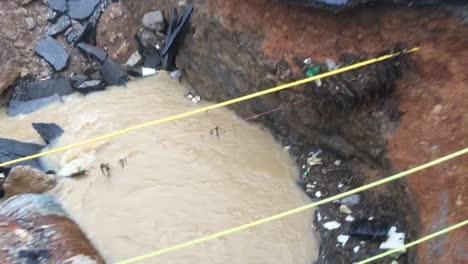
[[174, 182]]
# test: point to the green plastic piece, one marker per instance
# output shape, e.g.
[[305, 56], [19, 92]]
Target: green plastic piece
[[312, 71]]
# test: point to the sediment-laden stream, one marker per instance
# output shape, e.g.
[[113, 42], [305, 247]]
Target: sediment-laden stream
[[167, 184]]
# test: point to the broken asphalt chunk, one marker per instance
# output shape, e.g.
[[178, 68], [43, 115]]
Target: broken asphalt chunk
[[36, 90], [369, 229], [81, 9], [51, 51], [78, 79], [92, 52], [17, 107], [48, 131], [12, 149], [113, 73], [58, 5], [62, 24], [91, 86]]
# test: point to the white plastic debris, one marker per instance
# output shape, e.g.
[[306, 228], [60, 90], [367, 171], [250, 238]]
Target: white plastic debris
[[349, 218], [370, 218], [147, 71], [318, 82], [196, 99], [356, 249], [331, 64], [340, 185], [337, 162], [134, 59], [394, 239], [331, 225], [176, 74], [308, 61], [318, 194], [342, 239], [344, 209], [81, 164]]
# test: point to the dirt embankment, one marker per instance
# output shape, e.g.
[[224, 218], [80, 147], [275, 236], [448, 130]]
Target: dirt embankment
[[237, 47]]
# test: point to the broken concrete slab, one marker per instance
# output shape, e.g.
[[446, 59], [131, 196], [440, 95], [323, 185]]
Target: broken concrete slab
[[62, 24], [91, 86], [92, 52], [153, 20], [113, 73], [35, 90], [81, 9], [53, 52], [11, 149], [48, 131], [21, 107], [78, 79], [58, 5]]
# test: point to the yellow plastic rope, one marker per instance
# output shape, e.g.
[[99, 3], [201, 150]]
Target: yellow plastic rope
[[295, 211], [414, 243], [208, 108]]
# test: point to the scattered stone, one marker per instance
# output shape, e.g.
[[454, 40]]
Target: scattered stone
[[135, 59], [369, 230], [356, 249], [351, 200], [52, 16], [91, 86], [92, 52], [51, 51], [81, 9], [78, 79], [62, 24], [113, 73], [153, 61], [331, 225], [154, 20], [318, 194], [394, 239], [349, 218], [12, 149], [48, 131], [58, 5], [337, 162], [344, 209], [21, 107], [342, 239], [437, 109], [26, 179], [30, 23], [78, 166]]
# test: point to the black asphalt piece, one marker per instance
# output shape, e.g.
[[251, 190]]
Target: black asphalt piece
[[113, 73], [78, 79], [12, 149], [81, 9], [52, 16], [82, 34], [369, 229], [58, 5], [48, 131], [92, 52], [91, 86], [16, 107], [153, 61], [36, 90], [62, 24], [175, 33], [169, 58], [51, 51], [34, 255]]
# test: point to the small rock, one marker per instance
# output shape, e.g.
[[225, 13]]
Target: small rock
[[344, 209], [58, 5], [62, 24], [318, 194], [53, 52], [356, 249], [135, 59], [92, 52], [91, 86], [26, 179], [150, 41], [351, 200], [437, 109], [79, 165], [113, 73], [30, 23], [81, 9], [342, 239], [154, 20], [349, 218], [331, 225], [21, 107], [78, 79]]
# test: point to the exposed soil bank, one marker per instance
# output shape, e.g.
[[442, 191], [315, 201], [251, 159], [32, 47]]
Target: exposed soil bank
[[237, 47]]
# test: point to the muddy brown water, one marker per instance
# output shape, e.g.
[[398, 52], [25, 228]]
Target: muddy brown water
[[174, 182]]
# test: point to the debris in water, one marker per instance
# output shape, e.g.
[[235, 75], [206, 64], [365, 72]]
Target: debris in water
[[51, 51], [287, 148], [394, 239], [78, 166], [48, 131], [369, 230], [59, 27], [105, 169], [16, 107], [331, 225], [92, 52], [12, 149], [342, 239], [81, 9], [340, 185], [337, 162]]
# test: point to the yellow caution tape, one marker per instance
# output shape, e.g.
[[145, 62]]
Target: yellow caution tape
[[295, 211], [414, 243], [208, 108]]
